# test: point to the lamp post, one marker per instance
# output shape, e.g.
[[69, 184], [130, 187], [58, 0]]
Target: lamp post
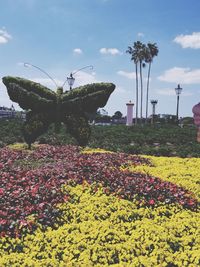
[[71, 79], [178, 92]]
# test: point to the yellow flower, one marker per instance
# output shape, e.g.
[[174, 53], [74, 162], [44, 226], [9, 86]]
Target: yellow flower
[[102, 230]]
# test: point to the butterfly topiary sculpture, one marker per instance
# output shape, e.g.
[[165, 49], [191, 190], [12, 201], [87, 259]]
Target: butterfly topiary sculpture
[[45, 106]]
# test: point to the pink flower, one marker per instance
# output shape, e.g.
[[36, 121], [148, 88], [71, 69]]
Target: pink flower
[[151, 202], [1, 191], [3, 222], [23, 223]]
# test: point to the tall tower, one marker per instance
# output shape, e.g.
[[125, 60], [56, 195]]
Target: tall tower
[[153, 102], [129, 117]]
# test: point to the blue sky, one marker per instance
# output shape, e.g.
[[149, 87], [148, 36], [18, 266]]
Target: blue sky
[[61, 36]]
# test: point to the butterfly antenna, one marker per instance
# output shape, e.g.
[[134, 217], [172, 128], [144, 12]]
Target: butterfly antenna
[[36, 67], [90, 66]]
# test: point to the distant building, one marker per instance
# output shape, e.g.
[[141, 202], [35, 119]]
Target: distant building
[[166, 116], [9, 113], [119, 121]]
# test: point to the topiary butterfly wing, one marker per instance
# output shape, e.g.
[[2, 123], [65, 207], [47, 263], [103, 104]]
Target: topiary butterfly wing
[[87, 98], [29, 94]]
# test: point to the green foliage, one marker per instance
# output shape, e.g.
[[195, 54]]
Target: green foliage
[[162, 140], [102, 119], [10, 131], [78, 127], [117, 115], [46, 107], [187, 120], [35, 125]]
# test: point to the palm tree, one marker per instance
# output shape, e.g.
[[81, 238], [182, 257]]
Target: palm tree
[[138, 56], [134, 57], [150, 52], [141, 50]]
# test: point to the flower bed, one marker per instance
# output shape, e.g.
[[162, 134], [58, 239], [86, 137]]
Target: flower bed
[[62, 207], [182, 171]]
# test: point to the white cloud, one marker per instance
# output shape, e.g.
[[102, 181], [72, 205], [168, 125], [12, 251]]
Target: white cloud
[[186, 93], [140, 34], [1, 83], [77, 51], [28, 4], [129, 75], [171, 92], [48, 82], [120, 90], [20, 64], [188, 41], [181, 75], [4, 36], [166, 91], [111, 51], [82, 78]]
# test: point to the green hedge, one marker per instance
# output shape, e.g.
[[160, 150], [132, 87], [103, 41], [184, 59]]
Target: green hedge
[[151, 140]]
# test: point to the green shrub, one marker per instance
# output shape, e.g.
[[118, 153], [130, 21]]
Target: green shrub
[[165, 140]]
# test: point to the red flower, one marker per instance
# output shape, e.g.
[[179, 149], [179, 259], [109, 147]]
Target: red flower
[[66, 198], [151, 202], [37, 190], [190, 202]]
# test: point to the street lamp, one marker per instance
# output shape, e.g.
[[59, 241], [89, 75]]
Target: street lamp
[[71, 79], [178, 92]]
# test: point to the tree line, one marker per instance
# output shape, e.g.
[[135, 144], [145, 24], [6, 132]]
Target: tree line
[[142, 55]]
